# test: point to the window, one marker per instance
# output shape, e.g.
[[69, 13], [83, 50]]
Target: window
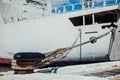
[[105, 17], [102, 17], [77, 21], [88, 19]]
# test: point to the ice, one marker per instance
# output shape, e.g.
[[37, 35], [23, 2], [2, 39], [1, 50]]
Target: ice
[[87, 67], [42, 76]]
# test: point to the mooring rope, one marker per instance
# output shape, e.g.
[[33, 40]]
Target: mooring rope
[[59, 53]]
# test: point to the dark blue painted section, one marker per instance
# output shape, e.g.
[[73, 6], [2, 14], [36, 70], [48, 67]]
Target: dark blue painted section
[[74, 1], [99, 4], [110, 2], [118, 1], [68, 8], [53, 11], [60, 9], [78, 6]]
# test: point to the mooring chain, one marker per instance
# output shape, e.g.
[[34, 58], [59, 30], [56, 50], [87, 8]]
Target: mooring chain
[[60, 53]]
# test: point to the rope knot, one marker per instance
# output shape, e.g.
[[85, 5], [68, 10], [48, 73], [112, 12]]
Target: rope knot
[[93, 39]]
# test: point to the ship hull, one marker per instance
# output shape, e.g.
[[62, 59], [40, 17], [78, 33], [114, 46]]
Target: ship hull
[[51, 33]]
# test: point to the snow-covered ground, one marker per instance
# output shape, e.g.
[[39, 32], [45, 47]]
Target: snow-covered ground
[[43, 76], [88, 67], [64, 73]]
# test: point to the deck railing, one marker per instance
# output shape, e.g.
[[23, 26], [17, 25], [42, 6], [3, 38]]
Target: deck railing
[[84, 5]]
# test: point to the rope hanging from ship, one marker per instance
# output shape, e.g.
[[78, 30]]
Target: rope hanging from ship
[[51, 57], [62, 52]]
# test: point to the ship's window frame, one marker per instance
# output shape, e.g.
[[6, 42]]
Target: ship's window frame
[[88, 19], [77, 21], [105, 17], [82, 20], [101, 17]]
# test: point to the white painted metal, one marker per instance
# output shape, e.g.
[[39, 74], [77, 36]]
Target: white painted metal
[[87, 68], [39, 35], [7, 8], [17, 10], [98, 50], [50, 33], [115, 52]]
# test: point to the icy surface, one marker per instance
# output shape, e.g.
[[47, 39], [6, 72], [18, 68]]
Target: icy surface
[[63, 73], [88, 67], [41, 76]]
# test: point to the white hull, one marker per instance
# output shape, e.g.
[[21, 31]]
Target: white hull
[[50, 33]]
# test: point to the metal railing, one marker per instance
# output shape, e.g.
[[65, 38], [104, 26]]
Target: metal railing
[[84, 5]]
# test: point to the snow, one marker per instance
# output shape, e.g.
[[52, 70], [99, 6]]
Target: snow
[[42, 76], [87, 67], [63, 73]]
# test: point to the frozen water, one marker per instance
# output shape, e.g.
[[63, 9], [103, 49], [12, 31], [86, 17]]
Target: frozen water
[[41, 76]]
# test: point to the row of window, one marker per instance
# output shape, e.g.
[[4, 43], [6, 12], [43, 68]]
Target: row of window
[[103, 17]]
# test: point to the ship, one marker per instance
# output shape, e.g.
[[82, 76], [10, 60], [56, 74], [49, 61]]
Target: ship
[[36, 26]]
